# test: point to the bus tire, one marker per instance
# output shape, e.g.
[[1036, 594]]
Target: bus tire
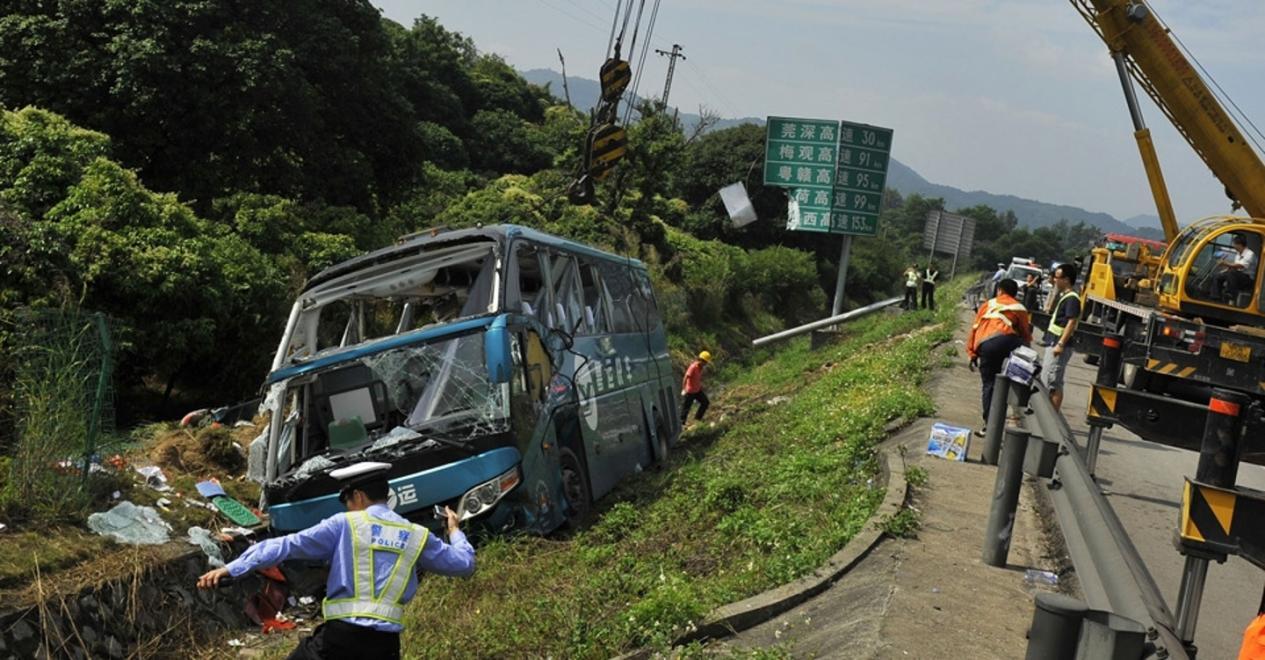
[[660, 447], [575, 487]]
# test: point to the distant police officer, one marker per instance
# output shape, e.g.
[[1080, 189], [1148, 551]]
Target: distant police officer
[[367, 547]]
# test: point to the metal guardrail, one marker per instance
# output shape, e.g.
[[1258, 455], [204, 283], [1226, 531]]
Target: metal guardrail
[[826, 322], [1112, 575]]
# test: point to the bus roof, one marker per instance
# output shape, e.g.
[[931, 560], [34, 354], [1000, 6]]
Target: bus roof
[[422, 240]]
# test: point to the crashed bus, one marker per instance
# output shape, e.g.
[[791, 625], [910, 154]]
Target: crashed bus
[[510, 374]]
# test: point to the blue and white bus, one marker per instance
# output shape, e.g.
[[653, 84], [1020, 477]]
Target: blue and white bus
[[513, 375]]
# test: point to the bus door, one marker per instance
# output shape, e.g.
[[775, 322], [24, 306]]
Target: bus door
[[533, 427]]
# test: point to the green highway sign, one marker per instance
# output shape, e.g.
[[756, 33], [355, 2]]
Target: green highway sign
[[835, 172], [800, 154], [863, 155]]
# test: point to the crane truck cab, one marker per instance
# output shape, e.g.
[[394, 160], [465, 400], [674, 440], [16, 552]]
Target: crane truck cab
[[1194, 281]]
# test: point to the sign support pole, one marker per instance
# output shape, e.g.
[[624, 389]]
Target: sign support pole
[[837, 308]]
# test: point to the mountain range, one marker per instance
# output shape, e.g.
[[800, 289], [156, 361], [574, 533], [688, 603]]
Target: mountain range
[[584, 93]]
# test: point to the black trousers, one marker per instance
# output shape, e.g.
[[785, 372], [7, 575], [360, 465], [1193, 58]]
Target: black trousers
[[703, 402], [911, 298], [928, 295], [334, 640], [992, 353], [1230, 283]]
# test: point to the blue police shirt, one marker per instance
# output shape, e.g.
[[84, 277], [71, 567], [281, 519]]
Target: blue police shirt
[[330, 540]]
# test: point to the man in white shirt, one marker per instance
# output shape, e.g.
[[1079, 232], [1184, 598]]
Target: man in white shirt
[[1237, 273]]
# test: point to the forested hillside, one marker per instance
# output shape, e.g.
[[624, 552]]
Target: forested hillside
[[184, 166]]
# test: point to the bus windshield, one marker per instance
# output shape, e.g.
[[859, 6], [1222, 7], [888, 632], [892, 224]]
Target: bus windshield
[[383, 399]]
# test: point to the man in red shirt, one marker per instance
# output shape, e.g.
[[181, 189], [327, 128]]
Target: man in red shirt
[[692, 388]]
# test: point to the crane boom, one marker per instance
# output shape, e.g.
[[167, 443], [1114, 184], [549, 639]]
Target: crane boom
[[1130, 28]]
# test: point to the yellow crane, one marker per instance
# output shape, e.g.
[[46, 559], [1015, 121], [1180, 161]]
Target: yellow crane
[[1187, 279]]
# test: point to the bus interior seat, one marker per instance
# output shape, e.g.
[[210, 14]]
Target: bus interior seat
[[346, 394]]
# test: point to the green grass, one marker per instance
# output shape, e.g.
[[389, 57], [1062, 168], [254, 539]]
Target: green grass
[[762, 497]]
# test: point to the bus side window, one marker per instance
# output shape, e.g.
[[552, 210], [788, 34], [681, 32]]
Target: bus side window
[[619, 287], [648, 303], [594, 321], [526, 293], [567, 311]]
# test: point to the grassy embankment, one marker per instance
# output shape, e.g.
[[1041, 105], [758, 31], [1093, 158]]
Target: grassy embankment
[[762, 497]]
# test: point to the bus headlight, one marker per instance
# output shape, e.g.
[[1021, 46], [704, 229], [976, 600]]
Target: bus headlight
[[485, 496]]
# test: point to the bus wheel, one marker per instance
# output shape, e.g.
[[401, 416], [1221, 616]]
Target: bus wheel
[[661, 442], [575, 487]]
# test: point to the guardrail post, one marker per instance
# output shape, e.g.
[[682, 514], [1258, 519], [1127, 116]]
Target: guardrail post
[[1056, 627], [1218, 466], [1108, 375], [1001, 517], [997, 409]]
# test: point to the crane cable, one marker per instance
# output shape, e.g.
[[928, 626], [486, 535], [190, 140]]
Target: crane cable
[[610, 41], [641, 63]]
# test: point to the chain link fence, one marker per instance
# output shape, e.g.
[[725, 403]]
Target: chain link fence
[[62, 407]]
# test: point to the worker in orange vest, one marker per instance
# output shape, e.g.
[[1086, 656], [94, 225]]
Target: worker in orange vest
[[1001, 325], [692, 388], [1254, 640]]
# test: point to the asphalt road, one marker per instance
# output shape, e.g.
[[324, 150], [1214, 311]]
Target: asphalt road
[[1143, 482]]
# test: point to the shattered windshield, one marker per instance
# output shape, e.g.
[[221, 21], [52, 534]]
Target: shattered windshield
[[432, 392]]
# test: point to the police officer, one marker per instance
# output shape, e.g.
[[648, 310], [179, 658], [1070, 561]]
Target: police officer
[[365, 591]]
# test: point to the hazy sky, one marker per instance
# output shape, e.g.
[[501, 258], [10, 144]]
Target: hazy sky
[[1008, 96]]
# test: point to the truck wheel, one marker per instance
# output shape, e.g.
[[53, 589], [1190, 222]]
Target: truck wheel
[[575, 487]]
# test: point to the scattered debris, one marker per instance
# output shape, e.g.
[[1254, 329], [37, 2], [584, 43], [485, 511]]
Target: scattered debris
[[154, 477], [306, 600], [778, 400], [1033, 577], [278, 622], [131, 524], [236, 511], [202, 538], [236, 531], [949, 442], [236, 643], [163, 503], [3, 527]]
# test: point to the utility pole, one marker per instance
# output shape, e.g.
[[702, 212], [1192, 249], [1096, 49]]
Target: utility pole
[[565, 91], [672, 57]]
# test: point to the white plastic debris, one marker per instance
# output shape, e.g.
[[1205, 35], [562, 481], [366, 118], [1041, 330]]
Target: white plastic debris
[[235, 643], [236, 531], [164, 504], [131, 524], [3, 527], [202, 538], [306, 600], [154, 477]]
